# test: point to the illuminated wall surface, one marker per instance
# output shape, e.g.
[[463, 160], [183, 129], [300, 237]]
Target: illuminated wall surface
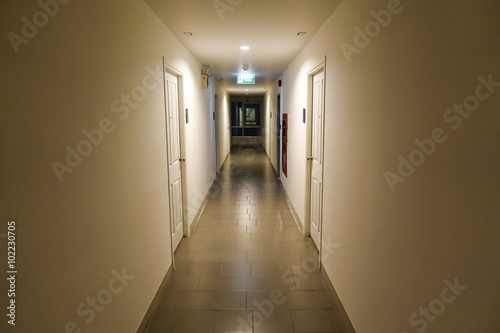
[[411, 160]]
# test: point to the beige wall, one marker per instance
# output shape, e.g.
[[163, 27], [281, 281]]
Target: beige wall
[[396, 248], [270, 130], [224, 123], [110, 214], [111, 211]]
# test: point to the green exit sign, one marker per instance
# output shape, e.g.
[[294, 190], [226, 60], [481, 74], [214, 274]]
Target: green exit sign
[[246, 79]]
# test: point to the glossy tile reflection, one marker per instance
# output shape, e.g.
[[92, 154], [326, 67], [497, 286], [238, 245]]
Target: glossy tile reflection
[[237, 272]]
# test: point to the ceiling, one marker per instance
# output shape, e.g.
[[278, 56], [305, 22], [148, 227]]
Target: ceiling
[[220, 27]]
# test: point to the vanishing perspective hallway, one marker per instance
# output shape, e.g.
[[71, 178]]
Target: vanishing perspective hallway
[[246, 266]]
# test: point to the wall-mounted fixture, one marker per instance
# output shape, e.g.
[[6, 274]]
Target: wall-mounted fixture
[[204, 81], [205, 75], [284, 145], [245, 67]]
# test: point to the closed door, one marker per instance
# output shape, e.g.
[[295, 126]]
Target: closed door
[[174, 159], [316, 158]]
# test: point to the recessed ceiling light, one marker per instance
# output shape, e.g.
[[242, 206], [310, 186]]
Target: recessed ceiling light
[[245, 48], [187, 33], [246, 89], [301, 33]]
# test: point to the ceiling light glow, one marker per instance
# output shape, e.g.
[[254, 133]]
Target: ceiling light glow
[[245, 48]]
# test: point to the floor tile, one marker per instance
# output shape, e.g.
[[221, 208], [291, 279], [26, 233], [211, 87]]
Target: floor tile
[[267, 300], [184, 256], [214, 282], [221, 246], [188, 244], [193, 300], [216, 237], [282, 282], [307, 281], [260, 256], [233, 322], [233, 256], [164, 321], [193, 268], [336, 319], [178, 283], [301, 300], [312, 321], [269, 322], [246, 283], [287, 255], [168, 300], [247, 223], [246, 266], [236, 230], [265, 268], [247, 246], [236, 269], [240, 237], [228, 300], [194, 322], [325, 299], [206, 256]]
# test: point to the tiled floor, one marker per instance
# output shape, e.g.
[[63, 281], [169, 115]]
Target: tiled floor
[[246, 266]]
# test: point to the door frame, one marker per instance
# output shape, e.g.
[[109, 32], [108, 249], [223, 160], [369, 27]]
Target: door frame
[[216, 131], [278, 135], [310, 77], [167, 68], [247, 139]]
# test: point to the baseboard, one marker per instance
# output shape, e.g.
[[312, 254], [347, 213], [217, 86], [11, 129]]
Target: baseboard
[[224, 162], [348, 326], [204, 203], [298, 222], [201, 209], [145, 325]]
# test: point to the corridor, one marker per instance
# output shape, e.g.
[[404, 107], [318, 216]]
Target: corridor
[[246, 266], [380, 116]]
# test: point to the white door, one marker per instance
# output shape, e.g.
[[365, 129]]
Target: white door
[[318, 113], [174, 159]]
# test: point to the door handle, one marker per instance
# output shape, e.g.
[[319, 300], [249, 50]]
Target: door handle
[[310, 158], [182, 159]]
